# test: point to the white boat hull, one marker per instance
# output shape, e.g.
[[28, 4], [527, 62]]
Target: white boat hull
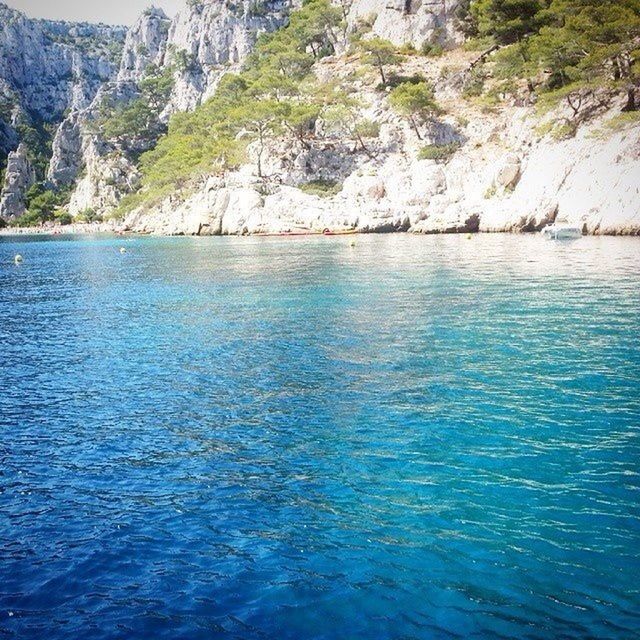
[[561, 232]]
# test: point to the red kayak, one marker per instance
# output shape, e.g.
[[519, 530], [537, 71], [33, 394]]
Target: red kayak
[[309, 232]]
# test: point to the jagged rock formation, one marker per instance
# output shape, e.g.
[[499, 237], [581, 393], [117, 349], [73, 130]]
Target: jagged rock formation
[[207, 37], [77, 144], [109, 176], [145, 44], [50, 67], [66, 149], [204, 41], [19, 176], [409, 21]]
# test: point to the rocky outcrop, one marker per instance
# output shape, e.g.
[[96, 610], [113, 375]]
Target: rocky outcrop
[[500, 181], [108, 176], [103, 173], [145, 44], [48, 69], [66, 158], [19, 176], [209, 37], [204, 41], [54, 66], [78, 144], [414, 22], [588, 181]]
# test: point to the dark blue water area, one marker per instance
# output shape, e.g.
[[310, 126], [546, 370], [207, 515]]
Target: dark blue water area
[[415, 437]]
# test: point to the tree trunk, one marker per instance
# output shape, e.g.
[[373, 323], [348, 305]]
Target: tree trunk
[[362, 144], [381, 69], [415, 127], [631, 100], [260, 152]]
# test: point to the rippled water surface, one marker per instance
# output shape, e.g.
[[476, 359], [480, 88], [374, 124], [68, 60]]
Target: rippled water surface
[[428, 437]]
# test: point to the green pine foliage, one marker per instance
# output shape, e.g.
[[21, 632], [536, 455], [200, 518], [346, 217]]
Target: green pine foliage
[[569, 41], [43, 205], [270, 98], [380, 54], [135, 124], [507, 20], [581, 53], [416, 101]]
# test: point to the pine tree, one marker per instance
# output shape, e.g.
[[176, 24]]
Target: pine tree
[[508, 20], [380, 53], [416, 101]]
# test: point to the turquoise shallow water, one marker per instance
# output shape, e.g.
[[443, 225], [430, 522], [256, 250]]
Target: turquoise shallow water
[[426, 437]]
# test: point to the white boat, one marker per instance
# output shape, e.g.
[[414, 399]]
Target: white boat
[[562, 231]]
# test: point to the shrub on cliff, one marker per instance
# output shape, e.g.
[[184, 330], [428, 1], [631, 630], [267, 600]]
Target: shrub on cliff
[[134, 125], [416, 101], [439, 153], [380, 54]]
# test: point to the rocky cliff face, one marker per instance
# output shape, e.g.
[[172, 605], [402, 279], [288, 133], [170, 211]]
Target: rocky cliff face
[[78, 146], [498, 188], [204, 41], [208, 38], [409, 21], [503, 177], [47, 69], [145, 44], [19, 177]]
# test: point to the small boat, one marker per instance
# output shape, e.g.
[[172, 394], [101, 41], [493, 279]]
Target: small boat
[[288, 234], [338, 232], [562, 231], [307, 232]]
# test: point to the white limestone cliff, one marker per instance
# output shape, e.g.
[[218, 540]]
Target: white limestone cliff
[[19, 176], [145, 44], [47, 69], [414, 22], [204, 41], [53, 66], [504, 178], [210, 37]]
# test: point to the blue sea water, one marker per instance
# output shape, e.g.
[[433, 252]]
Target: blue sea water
[[415, 437]]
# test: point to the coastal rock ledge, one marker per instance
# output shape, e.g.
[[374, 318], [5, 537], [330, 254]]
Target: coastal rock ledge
[[499, 181]]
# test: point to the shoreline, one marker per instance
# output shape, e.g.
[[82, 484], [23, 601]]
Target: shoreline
[[93, 228], [75, 228]]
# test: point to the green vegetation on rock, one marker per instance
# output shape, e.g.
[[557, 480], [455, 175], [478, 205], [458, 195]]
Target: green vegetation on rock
[[578, 53], [135, 124], [43, 205], [270, 99], [380, 54], [416, 101], [440, 153], [568, 41], [321, 188], [574, 53]]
